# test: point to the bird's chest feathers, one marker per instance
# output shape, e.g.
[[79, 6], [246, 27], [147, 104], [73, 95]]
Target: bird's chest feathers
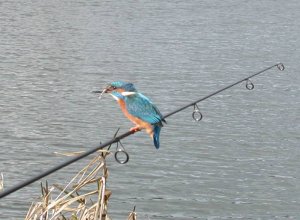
[[132, 118], [124, 110]]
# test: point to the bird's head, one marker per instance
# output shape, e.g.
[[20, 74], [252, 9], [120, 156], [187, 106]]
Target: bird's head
[[120, 87], [123, 88]]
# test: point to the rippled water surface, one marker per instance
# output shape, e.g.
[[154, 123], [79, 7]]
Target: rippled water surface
[[240, 162]]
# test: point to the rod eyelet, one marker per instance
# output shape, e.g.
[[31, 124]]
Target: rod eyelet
[[197, 115], [120, 149], [249, 85], [280, 66], [118, 154]]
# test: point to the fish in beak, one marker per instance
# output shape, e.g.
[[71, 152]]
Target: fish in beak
[[108, 89]]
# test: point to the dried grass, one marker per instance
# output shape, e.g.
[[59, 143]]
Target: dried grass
[[1, 182], [85, 197]]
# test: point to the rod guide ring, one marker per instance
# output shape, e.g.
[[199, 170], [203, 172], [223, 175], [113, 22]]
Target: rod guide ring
[[197, 115], [249, 84], [280, 66], [121, 153]]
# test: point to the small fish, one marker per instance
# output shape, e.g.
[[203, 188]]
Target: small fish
[[101, 92]]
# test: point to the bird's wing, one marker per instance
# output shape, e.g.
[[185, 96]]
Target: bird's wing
[[141, 107]]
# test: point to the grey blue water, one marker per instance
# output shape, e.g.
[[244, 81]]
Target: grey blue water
[[240, 162]]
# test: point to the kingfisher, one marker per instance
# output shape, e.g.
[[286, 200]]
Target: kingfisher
[[137, 108]]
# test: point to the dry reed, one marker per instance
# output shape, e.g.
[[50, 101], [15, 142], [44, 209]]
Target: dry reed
[[1, 182], [85, 197]]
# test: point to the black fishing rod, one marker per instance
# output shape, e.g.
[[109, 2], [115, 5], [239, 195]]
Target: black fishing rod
[[249, 86], [117, 139]]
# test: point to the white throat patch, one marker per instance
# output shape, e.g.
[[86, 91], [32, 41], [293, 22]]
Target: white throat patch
[[115, 97], [127, 93]]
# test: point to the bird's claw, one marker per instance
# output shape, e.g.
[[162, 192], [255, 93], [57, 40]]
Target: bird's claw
[[135, 129]]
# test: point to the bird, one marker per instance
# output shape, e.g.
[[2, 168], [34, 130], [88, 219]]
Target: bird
[[138, 108]]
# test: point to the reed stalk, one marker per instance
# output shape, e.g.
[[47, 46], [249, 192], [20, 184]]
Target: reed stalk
[[84, 197], [1, 182]]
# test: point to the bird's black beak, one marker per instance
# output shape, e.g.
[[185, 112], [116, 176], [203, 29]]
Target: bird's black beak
[[108, 89]]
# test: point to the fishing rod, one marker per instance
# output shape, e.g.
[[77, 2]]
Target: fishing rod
[[117, 139], [249, 86]]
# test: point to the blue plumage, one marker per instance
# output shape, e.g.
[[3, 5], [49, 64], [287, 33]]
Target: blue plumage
[[157, 129], [140, 106]]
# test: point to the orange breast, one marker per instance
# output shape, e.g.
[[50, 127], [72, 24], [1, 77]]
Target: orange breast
[[142, 124], [124, 110]]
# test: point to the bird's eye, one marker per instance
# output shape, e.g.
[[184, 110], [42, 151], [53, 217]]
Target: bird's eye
[[114, 87]]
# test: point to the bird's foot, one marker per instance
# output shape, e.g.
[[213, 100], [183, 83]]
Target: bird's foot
[[135, 129]]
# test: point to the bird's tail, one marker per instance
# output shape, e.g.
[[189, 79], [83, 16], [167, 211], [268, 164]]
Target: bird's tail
[[156, 132]]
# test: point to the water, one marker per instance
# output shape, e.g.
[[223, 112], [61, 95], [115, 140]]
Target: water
[[240, 162]]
